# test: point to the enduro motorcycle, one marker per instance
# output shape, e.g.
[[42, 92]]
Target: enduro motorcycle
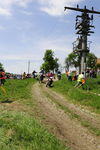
[[49, 82]]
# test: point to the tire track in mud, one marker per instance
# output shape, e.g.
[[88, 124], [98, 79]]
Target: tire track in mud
[[58, 122]]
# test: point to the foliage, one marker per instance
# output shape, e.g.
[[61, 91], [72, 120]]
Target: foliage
[[50, 62], [91, 60], [1, 66], [73, 60]]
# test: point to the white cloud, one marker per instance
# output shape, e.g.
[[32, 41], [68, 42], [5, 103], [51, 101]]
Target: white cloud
[[56, 7], [5, 12], [22, 3], [6, 5], [52, 7]]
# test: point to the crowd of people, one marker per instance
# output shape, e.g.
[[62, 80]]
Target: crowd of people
[[82, 77], [41, 76], [50, 76], [73, 75]]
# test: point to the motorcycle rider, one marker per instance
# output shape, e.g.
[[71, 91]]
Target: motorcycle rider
[[59, 75], [49, 82]]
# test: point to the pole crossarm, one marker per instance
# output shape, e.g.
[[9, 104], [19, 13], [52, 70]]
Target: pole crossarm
[[82, 10]]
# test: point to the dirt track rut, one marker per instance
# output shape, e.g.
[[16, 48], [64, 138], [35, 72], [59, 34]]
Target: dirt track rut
[[58, 122]]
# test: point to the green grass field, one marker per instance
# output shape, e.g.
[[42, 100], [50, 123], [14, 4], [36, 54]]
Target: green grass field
[[78, 95], [20, 130], [16, 89]]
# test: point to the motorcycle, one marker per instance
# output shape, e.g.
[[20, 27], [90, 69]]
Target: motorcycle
[[49, 82]]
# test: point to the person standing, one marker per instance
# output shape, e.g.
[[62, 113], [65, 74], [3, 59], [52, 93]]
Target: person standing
[[80, 80], [2, 80], [2, 77]]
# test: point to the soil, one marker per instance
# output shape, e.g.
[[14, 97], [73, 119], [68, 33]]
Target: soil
[[59, 122]]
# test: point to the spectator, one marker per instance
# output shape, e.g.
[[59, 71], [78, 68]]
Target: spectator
[[80, 80]]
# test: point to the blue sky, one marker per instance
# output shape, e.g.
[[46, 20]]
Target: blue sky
[[29, 27]]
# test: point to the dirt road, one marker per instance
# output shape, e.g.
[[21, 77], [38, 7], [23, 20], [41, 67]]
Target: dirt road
[[52, 106]]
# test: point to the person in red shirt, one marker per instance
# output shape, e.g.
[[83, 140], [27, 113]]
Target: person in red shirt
[[2, 80], [2, 77]]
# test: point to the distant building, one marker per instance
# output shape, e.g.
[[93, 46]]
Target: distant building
[[98, 61]]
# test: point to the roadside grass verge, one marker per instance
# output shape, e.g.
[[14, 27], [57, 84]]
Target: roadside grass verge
[[19, 131], [78, 95]]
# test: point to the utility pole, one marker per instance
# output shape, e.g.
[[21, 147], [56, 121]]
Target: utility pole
[[28, 66], [83, 27]]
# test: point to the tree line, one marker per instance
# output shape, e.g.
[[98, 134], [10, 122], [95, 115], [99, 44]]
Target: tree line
[[72, 60]]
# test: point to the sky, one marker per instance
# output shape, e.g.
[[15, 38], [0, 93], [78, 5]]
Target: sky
[[29, 27]]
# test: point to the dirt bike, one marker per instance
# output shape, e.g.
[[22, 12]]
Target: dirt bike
[[49, 82]]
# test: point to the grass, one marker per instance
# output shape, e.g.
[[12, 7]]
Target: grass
[[94, 84], [73, 115], [94, 130], [18, 131], [16, 89], [78, 95]]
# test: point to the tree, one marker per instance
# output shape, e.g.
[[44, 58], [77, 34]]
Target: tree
[[50, 62], [91, 60], [73, 60], [1, 66]]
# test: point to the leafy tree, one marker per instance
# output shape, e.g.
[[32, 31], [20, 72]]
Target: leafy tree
[[91, 60], [50, 62], [73, 60], [1, 66], [56, 64]]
